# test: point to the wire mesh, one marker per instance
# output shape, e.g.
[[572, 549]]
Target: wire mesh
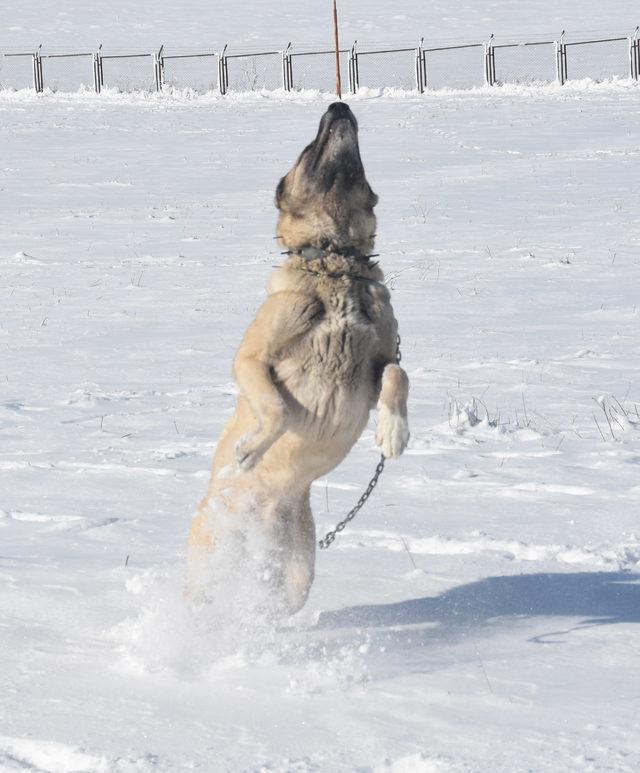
[[392, 69], [199, 73], [128, 72], [525, 63], [317, 70], [599, 60], [16, 72], [255, 72], [455, 67], [67, 72]]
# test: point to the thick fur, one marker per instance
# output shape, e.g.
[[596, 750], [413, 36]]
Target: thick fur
[[318, 356]]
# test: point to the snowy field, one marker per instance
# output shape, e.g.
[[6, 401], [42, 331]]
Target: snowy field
[[481, 614], [198, 23]]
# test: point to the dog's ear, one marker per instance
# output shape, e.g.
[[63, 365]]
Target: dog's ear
[[280, 192]]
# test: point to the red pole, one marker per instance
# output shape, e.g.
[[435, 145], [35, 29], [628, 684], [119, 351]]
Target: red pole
[[335, 34]]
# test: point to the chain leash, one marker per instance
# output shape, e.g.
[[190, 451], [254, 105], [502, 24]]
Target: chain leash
[[330, 536]]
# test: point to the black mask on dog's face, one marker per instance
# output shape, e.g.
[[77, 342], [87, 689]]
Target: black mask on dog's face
[[325, 198], [334, 156], [331, 161]]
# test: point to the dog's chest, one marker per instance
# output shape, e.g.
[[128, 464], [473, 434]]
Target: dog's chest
[[339, 347]]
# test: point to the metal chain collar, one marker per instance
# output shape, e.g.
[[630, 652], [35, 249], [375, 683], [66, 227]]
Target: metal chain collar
[[330, 536]]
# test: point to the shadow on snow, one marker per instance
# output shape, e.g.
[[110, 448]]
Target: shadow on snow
[[600, 598]]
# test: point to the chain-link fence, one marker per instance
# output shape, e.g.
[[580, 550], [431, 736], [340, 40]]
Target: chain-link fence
[[128, 72], [17, 70], [67, 72], [316, 69], [525, 62], [454, 67], [253, 72], [386, 68], [198, 72], [451, 66], [598, 59]]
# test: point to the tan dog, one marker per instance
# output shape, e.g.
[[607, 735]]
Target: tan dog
[[319, 355]]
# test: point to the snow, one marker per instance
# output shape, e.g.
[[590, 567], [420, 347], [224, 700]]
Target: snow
[[480, 613], [203, 23]]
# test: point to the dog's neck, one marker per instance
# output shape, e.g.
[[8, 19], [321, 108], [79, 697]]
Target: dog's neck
[[310, 252], [331, 265]]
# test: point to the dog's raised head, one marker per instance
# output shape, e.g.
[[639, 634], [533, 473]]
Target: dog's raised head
[[325, 201]]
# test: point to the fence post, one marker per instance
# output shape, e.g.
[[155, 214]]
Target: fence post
[[223, 71], [38, 79], [287, 69], [421, 68], [354, 76], [489, 63], [97, 70], [34, 62], [634, 55], [40, 73], [158, 68], [100, 67], [561, 60]]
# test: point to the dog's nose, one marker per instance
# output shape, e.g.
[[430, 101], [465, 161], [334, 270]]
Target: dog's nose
[[340, 110]]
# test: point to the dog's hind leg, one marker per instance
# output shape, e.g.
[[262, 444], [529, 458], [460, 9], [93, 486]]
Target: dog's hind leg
[[299, 555], [392, 434], [201, 545], [216, 526], [201, 539]]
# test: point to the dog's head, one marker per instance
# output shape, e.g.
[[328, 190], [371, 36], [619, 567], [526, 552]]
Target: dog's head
[[325, 201]]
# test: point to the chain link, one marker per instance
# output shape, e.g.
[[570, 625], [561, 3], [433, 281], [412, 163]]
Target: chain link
[[330, 536], [323, 544]]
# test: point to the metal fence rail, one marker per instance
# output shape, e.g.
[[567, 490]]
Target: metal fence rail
[[454, 66]]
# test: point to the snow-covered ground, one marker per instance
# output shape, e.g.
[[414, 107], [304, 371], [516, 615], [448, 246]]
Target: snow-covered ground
[[197, 23], [482, 612]]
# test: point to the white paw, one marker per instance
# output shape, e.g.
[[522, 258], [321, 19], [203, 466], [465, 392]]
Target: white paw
[[392, 434]]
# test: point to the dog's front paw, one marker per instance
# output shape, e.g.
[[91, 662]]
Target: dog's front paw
[[392, 434], [249, 450]]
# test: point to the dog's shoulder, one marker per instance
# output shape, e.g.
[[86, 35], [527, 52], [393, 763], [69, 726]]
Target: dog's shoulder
[[290, 310], [289, 279]]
